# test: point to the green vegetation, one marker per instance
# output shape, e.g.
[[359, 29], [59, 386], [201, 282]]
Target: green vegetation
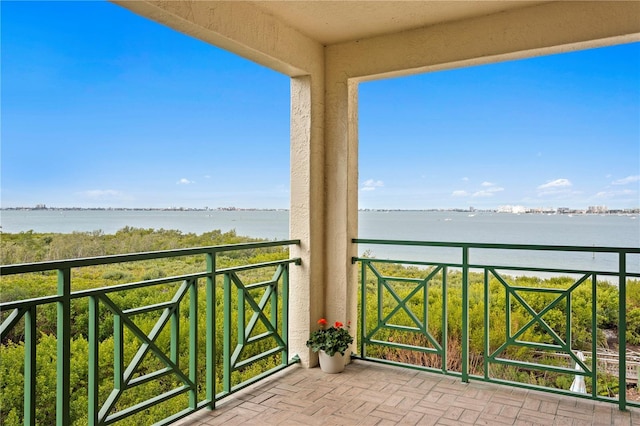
[[32, 247], [394, 340]]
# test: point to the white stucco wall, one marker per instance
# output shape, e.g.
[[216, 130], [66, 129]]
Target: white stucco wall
[[307, 216]]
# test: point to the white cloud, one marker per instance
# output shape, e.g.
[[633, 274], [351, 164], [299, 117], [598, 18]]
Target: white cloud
[[489, 190], [611, 194], [371, 185], [560, 188], [465, 179], [184, 181], [554, 184], [627, 180]]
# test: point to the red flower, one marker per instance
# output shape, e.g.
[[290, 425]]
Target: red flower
[[332, 340]]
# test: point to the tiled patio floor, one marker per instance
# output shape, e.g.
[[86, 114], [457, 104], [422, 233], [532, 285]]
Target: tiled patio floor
[[375, 394]]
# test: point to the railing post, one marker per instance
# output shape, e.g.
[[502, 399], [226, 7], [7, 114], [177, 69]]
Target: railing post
[[211, 329], [363, 307], [568, 320], [285, 313], [193, 343], [594, 335], [226, 346], [63, 361], [30, 366], [622, 332], [445, 320], [465, 313], [94, 359], [241, 321], [487, 325]]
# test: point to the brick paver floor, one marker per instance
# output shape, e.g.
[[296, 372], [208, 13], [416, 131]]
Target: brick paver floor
[[374, 394]]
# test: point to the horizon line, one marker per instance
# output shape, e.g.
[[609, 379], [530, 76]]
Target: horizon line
[[499, 209]]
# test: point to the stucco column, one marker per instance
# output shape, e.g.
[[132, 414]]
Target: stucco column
[[306, 296], [341, 185]]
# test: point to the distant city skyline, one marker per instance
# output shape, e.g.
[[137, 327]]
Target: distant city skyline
[[500, 209], [103, 108]]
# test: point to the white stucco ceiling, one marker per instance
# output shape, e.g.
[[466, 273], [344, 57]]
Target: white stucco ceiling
[[332, 22]]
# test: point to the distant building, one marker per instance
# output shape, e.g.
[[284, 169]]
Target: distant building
[[512, 209], [597, 209]]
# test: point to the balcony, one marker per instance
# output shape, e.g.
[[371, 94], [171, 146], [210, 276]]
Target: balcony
[[327, 49], [444, 341]]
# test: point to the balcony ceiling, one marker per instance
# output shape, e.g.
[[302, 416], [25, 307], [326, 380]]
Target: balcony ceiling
[[331, 22]]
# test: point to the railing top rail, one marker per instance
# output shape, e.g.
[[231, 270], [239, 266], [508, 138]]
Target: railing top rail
[[103, 260], [14, 304], [598, 249], [496, 267]]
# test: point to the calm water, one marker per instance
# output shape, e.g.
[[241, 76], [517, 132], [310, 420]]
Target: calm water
[[583, 230], [259, 224], [578, 230]]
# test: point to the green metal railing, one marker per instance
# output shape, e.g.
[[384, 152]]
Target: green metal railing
[[246, 322], [420, 314]]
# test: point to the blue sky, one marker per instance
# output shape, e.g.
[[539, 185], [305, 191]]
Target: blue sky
[[103, 108]]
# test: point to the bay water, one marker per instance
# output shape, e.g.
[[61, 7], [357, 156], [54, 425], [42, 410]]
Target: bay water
[[444, 226]]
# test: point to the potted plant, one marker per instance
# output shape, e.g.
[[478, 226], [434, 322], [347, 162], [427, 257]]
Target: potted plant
[[332, 344]]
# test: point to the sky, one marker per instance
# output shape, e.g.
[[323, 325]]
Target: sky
[[104, 108]]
